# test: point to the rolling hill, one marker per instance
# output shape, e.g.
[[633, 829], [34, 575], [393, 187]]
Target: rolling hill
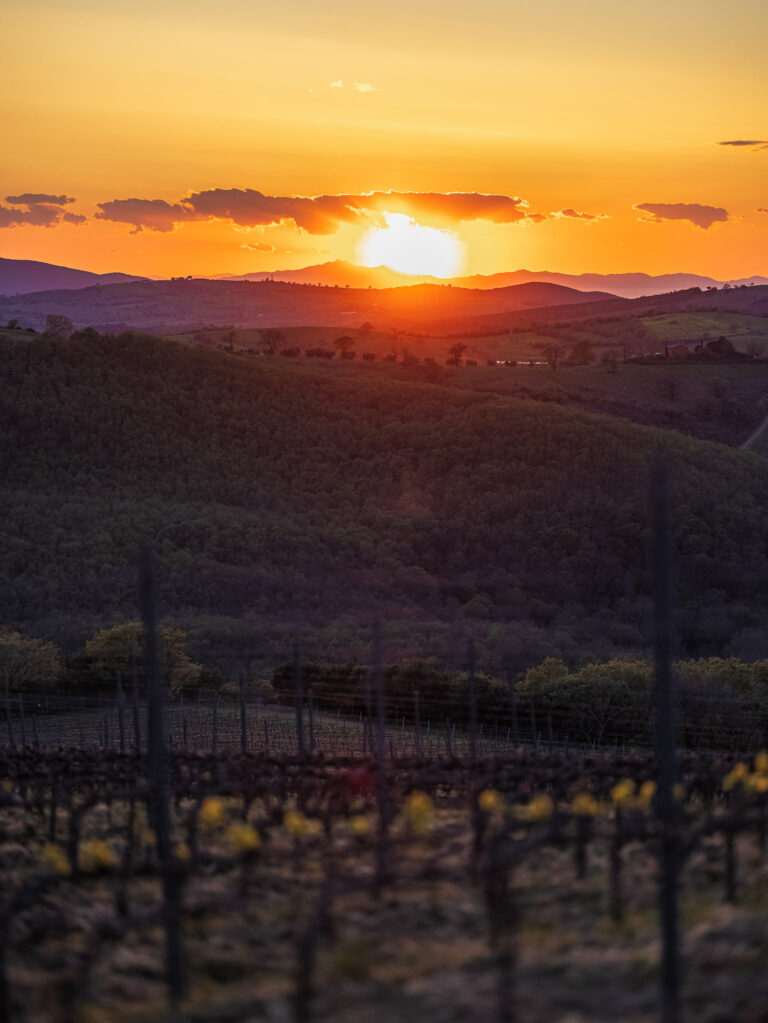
[[181, 303], [22, 276], [284, 495]]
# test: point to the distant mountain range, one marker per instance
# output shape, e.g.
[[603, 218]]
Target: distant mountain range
[[26, 276], [629, 285], [22, 276]]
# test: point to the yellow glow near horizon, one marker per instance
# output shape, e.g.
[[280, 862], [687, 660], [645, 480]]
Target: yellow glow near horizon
[[411, 248]]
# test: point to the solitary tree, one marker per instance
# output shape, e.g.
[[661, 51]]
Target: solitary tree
[[58, 327], [365, 329], [552, 354], [456, 353], [344, 343], [271, 339]]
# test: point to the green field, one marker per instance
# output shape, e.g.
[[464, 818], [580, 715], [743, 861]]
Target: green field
[[740, 329]]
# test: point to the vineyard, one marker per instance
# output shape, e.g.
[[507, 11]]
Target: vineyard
[[300, 888]]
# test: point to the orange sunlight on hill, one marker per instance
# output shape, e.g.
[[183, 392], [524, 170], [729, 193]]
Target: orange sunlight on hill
[[411, 248]]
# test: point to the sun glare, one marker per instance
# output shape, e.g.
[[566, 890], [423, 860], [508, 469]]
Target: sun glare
[[411, 248]]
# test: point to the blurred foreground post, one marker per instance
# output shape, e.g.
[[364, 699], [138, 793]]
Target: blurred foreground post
[[669, 852], [472, 702], [8, 718], [243, 724], [299, 697], [121, 712], [382, 857], [158, 779]]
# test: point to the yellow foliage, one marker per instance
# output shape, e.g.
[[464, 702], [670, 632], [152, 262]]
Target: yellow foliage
[[54, 859], [540, 808], [300, 826], [212, 812], [736, 776], [97, 855], [585, 805], [646, 794], [491, 801], [419, 812], [243, 838], [761, 763], [623, 792], [182, 852], [360, 825]]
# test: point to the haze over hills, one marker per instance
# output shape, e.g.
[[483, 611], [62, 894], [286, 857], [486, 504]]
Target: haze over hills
[[625, 285], [22, 276], [182, 303]]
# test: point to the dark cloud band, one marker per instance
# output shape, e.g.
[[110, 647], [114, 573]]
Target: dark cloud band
[[702, 216], [320, 214]]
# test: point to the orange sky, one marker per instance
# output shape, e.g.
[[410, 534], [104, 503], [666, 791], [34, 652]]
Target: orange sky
[[594, 107]]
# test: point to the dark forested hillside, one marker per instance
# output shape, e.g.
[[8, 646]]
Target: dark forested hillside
[[278, 495]]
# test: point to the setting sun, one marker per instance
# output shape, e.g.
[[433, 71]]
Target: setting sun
[[411, 248]]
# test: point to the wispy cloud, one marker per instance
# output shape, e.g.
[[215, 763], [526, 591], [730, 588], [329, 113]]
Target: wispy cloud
[[702, 216], [33, 198], [359, 86], [761, 209], [747, 143], [258, 246], [572, 214]]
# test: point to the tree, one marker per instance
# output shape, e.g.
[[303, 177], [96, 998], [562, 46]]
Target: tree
[[456, 353], [271, 339], [344, 343], [110, 651], [13, 324], [366, 329], [582, 353], [552, 354], [28, 664], [58, 327]]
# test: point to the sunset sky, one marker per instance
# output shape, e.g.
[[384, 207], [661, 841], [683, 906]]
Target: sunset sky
[[257, 134]]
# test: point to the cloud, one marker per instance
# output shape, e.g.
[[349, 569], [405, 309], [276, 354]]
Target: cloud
[[702, 216], [258, 246], [33, 198], [152, 214], [42, 210], [761, 209], [247, 207], [359, 86], [572, 214], [319, 214], [441, 209], [749, 143]]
